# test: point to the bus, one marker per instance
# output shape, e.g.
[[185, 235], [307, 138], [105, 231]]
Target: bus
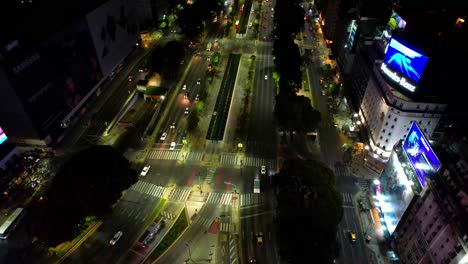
[[256, 185], [12, 221]]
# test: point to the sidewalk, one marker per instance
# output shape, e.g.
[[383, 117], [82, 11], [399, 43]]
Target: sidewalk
[[377, 244]]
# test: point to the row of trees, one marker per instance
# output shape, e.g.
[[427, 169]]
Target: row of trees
[[193, 18], [310, 210], [293, 112]]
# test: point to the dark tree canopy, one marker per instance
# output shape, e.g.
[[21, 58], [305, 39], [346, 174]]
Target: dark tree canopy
[[309, 211], [295, 113], [88, 184], [192, 18]]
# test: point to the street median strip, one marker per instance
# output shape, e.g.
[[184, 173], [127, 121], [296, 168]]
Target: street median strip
[[171, 236]]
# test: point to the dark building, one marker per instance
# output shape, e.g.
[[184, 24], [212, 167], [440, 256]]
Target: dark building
[[53, 56]]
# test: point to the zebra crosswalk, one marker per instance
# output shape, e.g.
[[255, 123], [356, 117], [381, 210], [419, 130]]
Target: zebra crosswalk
[[204, 221], [180, 194], [225, 227], [247, 199], [164, 154], [232, 250], [257, 162], [194, 156], [363, 184], [341, 170], [347, 197], [219, 198], [229, 159], [148, 188]]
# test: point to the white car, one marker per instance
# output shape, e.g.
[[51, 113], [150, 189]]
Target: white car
[[145, 170], [184, 87], [163, 136], [263, 169], [186, 111], [172, 147], [116, 238], [173, 125], [266, 77], [199, 81]]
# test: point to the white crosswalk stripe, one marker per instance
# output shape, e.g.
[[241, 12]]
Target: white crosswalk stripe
[[247, 199], [210, 174], [224, 227], [363, 184], [232, 250], [164, 154], [148, 188], [219, 198], [229, 159], [180, 194], [203, 221], [257, 162], [194, 156], [342, 170], [347, 197]]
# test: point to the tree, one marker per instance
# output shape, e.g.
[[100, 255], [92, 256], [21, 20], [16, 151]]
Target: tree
[[88, 184], [309, 211], [192, 120], [295, 113]]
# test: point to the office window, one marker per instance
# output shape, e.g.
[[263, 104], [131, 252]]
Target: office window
[[389, 133], [392, 126], [395, 119], [383, 131]]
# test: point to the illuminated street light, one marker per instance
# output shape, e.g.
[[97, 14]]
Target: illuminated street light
[[376, 182], [355, 115], [366, 147]]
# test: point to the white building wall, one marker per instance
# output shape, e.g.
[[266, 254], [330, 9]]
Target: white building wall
[[388, 115], [114, 30]]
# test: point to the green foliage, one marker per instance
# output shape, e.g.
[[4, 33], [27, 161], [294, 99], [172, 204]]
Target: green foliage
[[295, 113], [155, 90], [179, 226], [86, 186], [310, 210], [193, 119]]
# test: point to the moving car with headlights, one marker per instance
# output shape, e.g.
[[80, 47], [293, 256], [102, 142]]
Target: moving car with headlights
[[259, 238], [352, 236], [263, 169], [145, 170], [116, 238], [163, 136]]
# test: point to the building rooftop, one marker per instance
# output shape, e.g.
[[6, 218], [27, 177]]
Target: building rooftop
[[30, 20]]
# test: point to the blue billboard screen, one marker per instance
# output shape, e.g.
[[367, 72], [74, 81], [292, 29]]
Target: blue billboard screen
[[420, 154], [405, 60], [3, 136]]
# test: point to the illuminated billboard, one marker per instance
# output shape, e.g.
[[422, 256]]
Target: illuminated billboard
[[3, 136], [405, 60], [420, 154], [396, 22]]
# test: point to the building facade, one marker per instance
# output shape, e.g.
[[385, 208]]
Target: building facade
[[434, 229], [388, 114], [47, 79]]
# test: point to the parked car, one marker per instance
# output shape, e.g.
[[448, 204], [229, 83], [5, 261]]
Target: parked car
[[172, 147]]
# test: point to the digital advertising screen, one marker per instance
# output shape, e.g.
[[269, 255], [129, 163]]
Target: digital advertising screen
[[405, 60], [3, 136], [396, 22], [420, 154]]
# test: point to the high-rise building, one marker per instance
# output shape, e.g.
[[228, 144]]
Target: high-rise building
[[434, 227], [54, 57]]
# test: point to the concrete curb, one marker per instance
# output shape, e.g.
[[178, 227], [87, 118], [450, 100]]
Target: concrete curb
[[168, 230], [78, 244]]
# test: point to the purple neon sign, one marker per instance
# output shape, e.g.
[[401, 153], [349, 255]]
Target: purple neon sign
[[420, 154]]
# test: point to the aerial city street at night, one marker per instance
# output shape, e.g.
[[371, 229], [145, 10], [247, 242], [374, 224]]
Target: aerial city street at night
[[233, 131]]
